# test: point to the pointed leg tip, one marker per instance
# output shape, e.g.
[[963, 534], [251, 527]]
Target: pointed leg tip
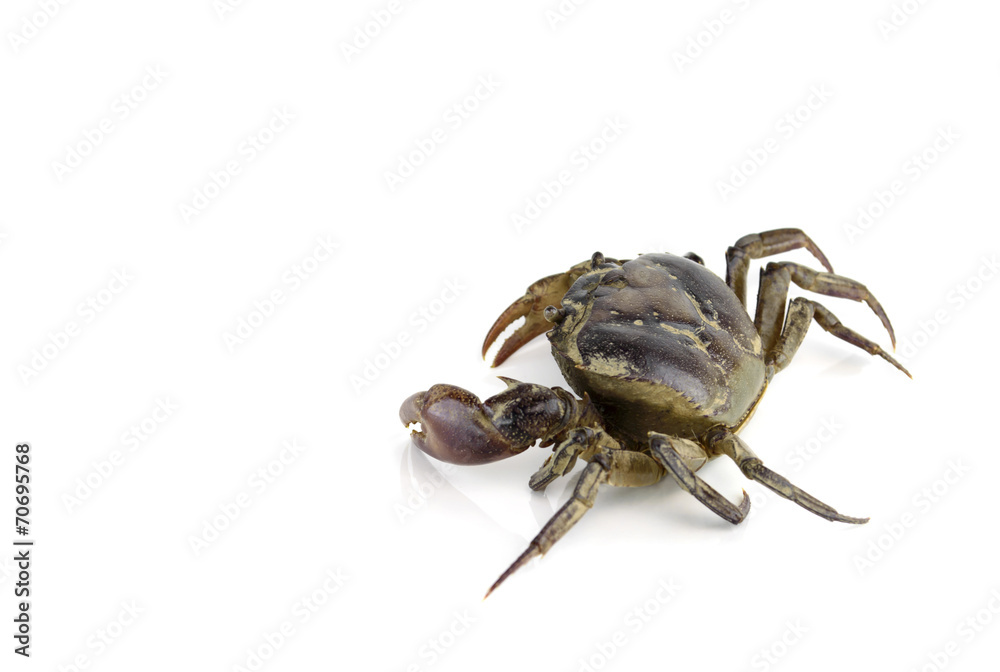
[[496, 584], [888, 326], [531, 553], [899, 366], [853, 521], [744, 505], [818, 253], [737, 514]]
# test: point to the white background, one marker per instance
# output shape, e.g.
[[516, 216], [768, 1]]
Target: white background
[[413, 568]]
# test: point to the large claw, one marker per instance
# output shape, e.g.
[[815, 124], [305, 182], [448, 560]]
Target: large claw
[[548, 291], [454, 426]]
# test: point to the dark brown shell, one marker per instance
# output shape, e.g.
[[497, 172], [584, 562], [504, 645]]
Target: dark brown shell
[[660, 343]]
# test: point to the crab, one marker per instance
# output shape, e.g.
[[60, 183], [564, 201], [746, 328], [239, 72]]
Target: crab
[[667, 366]]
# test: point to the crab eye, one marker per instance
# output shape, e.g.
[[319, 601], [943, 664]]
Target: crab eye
[[553, 314], [694, 257]]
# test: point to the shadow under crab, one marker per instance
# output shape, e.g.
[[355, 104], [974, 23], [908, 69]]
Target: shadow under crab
[[667, 366]]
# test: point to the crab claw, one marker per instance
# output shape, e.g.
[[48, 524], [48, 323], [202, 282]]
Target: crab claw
[[548, 291], [455, 426], [534, 325]]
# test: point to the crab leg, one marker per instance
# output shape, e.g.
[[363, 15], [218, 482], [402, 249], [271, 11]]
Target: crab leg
[[801, 312], [831, 285], [595, 474], [563, 459], [548, 291], [764, 244], [772, 295], [724, 441], [667, 450], [608, 465]]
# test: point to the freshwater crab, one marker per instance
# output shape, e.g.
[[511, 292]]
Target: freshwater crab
[[667, 364]]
